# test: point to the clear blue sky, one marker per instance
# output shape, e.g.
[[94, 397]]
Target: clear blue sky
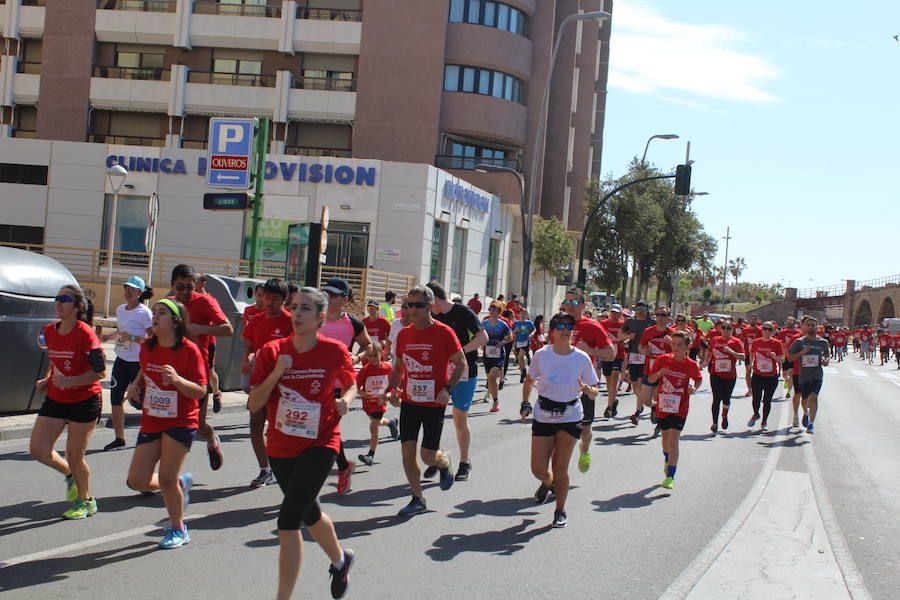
[[792, 113]]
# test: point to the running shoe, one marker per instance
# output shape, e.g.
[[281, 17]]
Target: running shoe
[[752, 421], [71, 489], [525, 410], [186, 482], [496, 406], [81, 509], [584, 462], [366, 459], [805, 420], [724, 420], [656, 431], [764, 426], [416, 506], [785, 385], [559, 519], [217, 402], [607, 413], [344, 477], [446, 479], [116, 444], [714, 428], [487, 398], [462, 472], [615, 407], [216, 458], [174, 538], [668, 483], [502, 382], [635, 418], [809, 428], [264, 478], [430, 472], [653, 418], [339, 581], [540, 496], [394, 429]]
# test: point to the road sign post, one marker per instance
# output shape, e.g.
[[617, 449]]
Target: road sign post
[[262, 143]]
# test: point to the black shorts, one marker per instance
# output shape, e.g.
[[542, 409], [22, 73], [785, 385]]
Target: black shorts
[[185, 435], [608, 366], [671, 422], [646, 381], [813, 386], [589, 406], [788, 364], [635, 372], [430, 419], [123, 373], [376, 415], [211, 356], [693, 353], [539, 429], [885, 350], [85, 411], [795, 381], [493, 363]]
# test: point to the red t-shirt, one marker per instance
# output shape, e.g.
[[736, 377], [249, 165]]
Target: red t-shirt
[[262, 329], [592, 332], [250, 312], [697, 335], [203, 309], [763, 363], [69, 356], [897, 342], [673, 392], [751, 334], [885, 340], [537, 339], [839, 338], [426, 355], [372, 381], [865, 335], [786, 334], [514, 307], [612, 329], [475, 305], [164, 406], [656, 343], [721, 363], [300, 409], [378, 328]]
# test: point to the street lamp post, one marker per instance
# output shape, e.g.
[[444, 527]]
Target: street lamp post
[[727, 238], [526, 232], [538, 135], [659, 136], [116, 175]]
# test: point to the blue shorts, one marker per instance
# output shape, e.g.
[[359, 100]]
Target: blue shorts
[[462, 394]]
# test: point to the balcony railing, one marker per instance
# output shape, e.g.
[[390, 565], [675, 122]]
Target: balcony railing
[[329, 14], [447, 161], [331, 84], [231, 79], [143, 73], [126, 140], [139, 5], [320, 152], [30, 67], [209, 7]]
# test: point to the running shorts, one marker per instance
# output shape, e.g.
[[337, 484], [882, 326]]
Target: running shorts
[[185, 435], [671, 422], [86, 411], [539, 429], [430, 419], [608, 366], [812, 386]]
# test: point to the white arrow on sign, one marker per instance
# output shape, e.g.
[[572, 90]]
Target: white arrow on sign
[[221, 176]]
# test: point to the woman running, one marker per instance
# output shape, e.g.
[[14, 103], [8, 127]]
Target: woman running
[[561, 374], [72, 386], [133, 320], [173, 379], [724, 352], [766, 353], [294, 379]]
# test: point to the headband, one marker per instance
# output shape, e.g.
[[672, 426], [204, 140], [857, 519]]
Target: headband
[[172, 306]]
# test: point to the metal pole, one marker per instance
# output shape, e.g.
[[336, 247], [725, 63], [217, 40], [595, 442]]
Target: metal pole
[[262, 143], [725, 270], [110, 248]]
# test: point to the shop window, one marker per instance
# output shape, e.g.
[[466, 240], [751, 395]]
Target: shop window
[[493, 262], [131, 227], [26, 174], [458, 266], [21, 234], [438, 251]]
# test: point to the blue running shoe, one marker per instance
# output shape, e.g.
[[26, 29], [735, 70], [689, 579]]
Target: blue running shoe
[[186, 481], [174, 538], [805, 420], [416, 506], [809, 428]]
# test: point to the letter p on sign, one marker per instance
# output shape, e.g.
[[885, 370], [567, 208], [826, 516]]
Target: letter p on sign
[[229, 134]]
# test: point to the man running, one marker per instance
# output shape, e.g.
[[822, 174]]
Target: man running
[[498, 333], [885, 341], [376, 326], [612, 369], [631, 332], [471, 336], [422, 361], [811, 354]]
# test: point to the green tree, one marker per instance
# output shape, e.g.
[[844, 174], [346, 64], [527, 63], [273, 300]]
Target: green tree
[[553, 251]]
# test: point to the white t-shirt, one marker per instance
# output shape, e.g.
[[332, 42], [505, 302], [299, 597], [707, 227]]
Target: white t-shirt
[[557, 379], [133, 322], [396, 326]]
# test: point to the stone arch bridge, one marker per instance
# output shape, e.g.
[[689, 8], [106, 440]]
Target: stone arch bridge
[[859, 303]]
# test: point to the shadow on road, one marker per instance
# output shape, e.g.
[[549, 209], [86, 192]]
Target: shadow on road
[[371, 497], [638, 439], [228, 519], [795, 441], [633, 500], [503, 542], [501, 507], [30, 515]]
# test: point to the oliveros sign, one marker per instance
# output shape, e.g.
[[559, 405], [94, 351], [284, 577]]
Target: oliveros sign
[[466, 196]]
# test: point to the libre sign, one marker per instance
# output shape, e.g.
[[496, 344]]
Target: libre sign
[[230, 152]]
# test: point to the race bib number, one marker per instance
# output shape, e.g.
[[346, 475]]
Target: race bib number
[[522, 344], [376, 385], [764, 364], [636, 358], [298, 417], [122, 345], [669, 403], [374, 337], [722, 365], [809, 360], [420, 390], [161, 403], [492, 351]]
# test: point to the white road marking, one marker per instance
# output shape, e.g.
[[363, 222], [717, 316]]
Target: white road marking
[[889, 375], [830, 370], [859, 373]]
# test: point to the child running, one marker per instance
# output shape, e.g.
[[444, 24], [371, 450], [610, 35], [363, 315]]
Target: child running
[[372, 382]]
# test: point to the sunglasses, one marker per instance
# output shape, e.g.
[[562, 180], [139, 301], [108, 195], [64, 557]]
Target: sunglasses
[[572, 302], [662, 314], [564, 326], [725, 328], [679, 320], [64, 298], [417, 304], [768, 329], [182, 286]]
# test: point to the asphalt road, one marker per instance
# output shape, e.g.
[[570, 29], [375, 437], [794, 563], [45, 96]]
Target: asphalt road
[[714, 535]]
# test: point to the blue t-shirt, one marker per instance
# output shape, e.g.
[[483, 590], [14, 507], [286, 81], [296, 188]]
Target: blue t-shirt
[[522, 330], [496, 334]]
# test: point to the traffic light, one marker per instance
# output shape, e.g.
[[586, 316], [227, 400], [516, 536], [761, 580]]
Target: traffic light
[[682, 180]]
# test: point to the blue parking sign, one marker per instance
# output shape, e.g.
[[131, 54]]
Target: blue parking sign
[[230, 153]]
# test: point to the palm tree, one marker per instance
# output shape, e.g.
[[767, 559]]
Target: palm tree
[[736, 268]]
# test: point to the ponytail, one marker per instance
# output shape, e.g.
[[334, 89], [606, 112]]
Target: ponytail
[[146, 294], [85, 311]]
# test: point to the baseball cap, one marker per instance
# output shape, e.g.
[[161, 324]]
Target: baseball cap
[[136, 282], [372, 303], [337, 285], [615, 308], [640, 305]]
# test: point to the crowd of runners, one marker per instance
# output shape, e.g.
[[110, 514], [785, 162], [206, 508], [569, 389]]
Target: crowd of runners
[[307, 360]]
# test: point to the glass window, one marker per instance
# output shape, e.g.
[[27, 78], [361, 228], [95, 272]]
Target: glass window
[[507, 87], [26, 174], [438, 251], [484, 81], [497, 89], [468, 79], [503, 16], [225, 65], [514, 16], [474, 15], [128, 59], [250, 67], [457, 10], [131, 226], [451, 78], [490, 14], [493, 261], [458, 268]]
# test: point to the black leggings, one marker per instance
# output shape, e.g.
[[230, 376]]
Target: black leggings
[[763, 387], [508, 347], [342, 463], [721, 392], [300, 479]]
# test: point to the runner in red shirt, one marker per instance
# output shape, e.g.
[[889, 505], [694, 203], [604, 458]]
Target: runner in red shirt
[[173, 376], [273, 323], [885, 341], [724, 352], [371, 381], [896, 345], [612, 369], [294, 379], [422, 360], [207, 321], [475, 304], [673, 396], [865, 343], [72, 386], [752, 332], [539, 337], [766, 353], [254, 309], [377, 327], [839, 337], [654, 343], [784, 336]]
